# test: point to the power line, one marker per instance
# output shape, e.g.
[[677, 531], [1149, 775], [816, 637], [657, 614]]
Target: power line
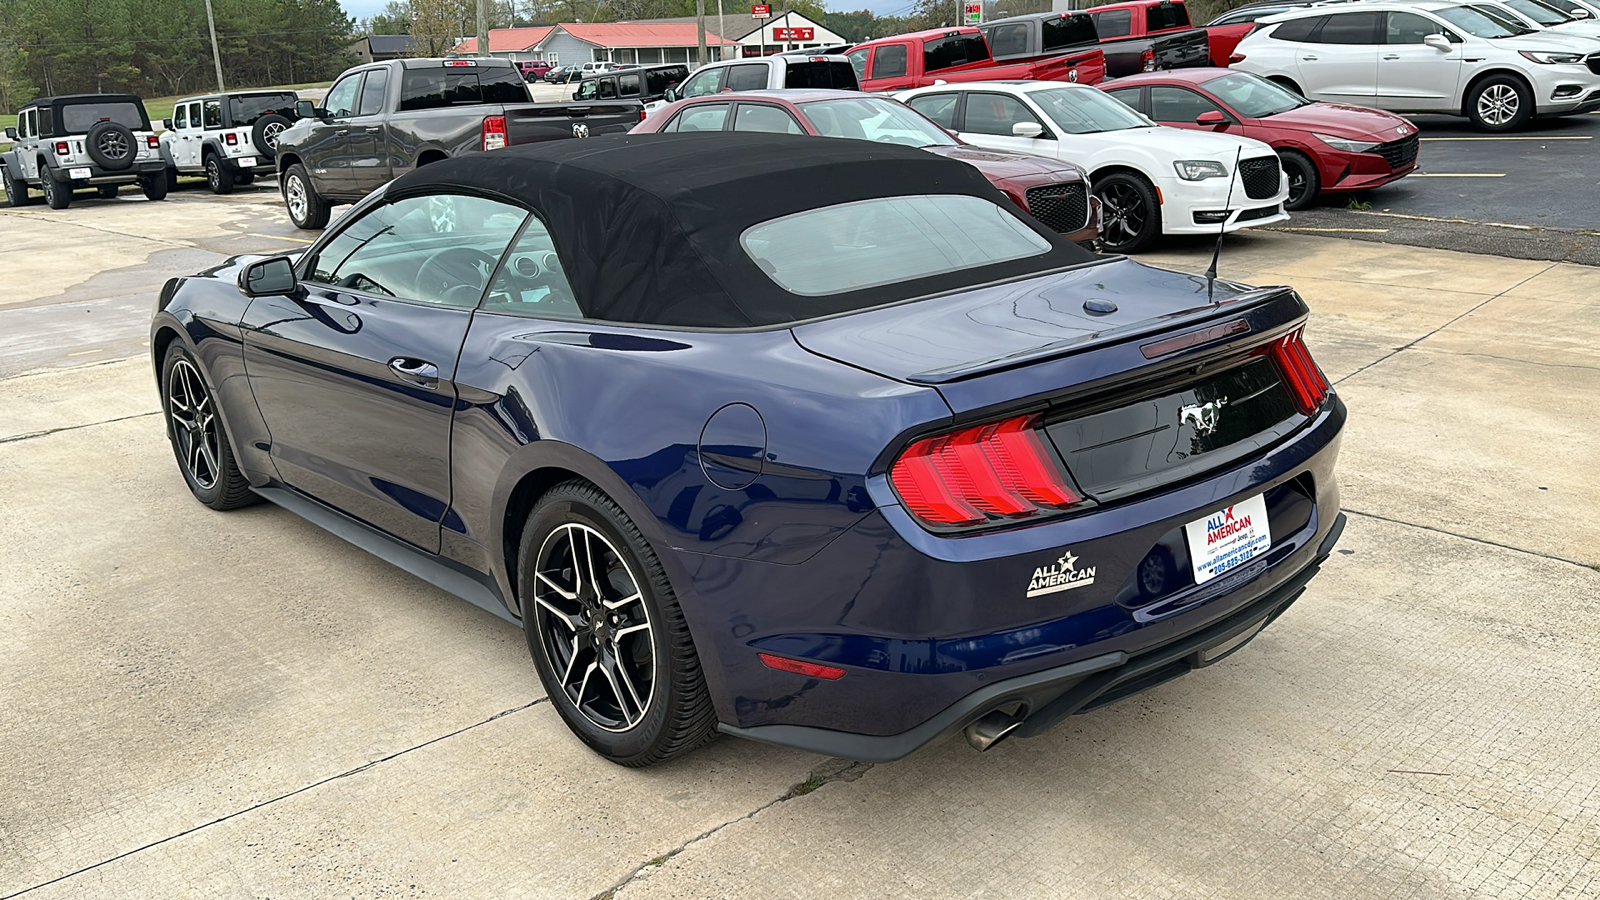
[[221, 36]]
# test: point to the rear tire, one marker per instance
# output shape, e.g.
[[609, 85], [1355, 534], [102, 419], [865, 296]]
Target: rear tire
[[199, 442], [107, 191], [1131, 215], [56, 194], [1304, 182], [1500, 103], [244, 178], [155, 186], [306, 209], [606, 633], [220, 181]]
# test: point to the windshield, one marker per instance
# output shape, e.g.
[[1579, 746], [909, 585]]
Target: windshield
[[1252, 96], [870, 243], [874, 119], [1566, 6], [1473, 22], [245, 109], [1538, 12], [1505, 17], [1086, 111], [76, 118]]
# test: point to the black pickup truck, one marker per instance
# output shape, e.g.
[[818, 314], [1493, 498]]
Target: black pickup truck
[[1042, 35], [384, 119]]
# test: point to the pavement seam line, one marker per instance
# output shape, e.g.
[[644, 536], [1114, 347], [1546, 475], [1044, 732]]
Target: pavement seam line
[[1407, 346], [1467, 537], [834, 770], [268, 802], [136, 237], [49, 431]]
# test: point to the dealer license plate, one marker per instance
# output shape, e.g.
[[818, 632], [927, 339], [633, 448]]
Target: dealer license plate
[[247, 162], [1228, 538], [78, 173]]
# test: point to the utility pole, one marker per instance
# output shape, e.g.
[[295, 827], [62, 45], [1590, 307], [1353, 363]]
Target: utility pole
[[216, 55], [483, 27], [722, 32], [700, 19]]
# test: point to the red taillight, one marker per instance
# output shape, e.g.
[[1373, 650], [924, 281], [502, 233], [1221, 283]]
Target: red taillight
[[232, 139], [999, 470], [642, 115], [832, 673], [153, 142], [1147, 60], [494, 133], [1235, 58], [1305, 380], [62, 148]]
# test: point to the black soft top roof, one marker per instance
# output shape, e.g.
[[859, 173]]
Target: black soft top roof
[[648, 226], [85, 98]]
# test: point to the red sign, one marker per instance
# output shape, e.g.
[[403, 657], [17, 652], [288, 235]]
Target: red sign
[[794, 34], [761, 11]]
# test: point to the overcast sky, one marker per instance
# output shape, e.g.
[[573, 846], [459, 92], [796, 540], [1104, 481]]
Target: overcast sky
[[361, 9]]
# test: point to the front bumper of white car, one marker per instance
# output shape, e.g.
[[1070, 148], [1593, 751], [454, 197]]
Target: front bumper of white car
[[1566, 89], [1212, 205]]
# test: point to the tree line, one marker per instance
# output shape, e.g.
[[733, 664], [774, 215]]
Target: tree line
[[162, 47]]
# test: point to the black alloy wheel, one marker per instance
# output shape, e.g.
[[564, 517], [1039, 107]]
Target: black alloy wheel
[[1131, 218], [219, 181], [1304, 183], [155, 186], [111, 146], [194, 427], [56, 194], [16, 189], [605, 631]]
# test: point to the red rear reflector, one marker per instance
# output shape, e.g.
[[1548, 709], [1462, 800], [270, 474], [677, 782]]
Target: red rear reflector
[[1305, 381], [232, 139], [62, 148], [814, 670], [1193, 338], [494, 133], [999, 470]]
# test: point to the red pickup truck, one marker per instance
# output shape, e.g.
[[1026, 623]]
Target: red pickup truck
[[906, 61]]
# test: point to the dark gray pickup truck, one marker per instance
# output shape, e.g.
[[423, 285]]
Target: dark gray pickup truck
[[384, 119], [1043, 35]]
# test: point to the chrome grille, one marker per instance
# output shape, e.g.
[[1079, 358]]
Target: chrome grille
[[1260, 177], [1062, 208]]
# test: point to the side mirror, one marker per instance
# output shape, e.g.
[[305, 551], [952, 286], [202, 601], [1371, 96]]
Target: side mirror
[[11, 132], [1438, 42], [1027, 129], [166, 124], [1580, 13], [268, 276], [671, 96], [1211, 117], [575, 95], [305, 109]]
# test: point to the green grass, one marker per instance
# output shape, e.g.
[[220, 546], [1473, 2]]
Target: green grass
[[161, 107]]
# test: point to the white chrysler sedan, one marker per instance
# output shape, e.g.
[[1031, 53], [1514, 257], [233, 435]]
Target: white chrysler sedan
[[1432, 56], [1151, 180]]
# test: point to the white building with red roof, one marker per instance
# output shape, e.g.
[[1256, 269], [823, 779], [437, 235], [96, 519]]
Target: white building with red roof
[[622, 42]]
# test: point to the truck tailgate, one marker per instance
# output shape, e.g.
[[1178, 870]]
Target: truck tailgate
[[533, 122], [1185, 49]]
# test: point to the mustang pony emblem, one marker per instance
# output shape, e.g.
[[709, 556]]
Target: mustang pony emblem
[[1202, 418], [580, 130]]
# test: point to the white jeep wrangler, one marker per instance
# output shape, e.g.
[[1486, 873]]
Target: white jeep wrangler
[[229, 138], [63, 144]]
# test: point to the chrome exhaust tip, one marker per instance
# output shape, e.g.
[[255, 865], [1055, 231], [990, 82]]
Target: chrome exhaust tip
[[991, 729]]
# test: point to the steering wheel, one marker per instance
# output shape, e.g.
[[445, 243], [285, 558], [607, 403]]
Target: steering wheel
[[456, 275]]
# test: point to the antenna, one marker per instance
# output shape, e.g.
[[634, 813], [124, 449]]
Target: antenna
[[1222, 230]]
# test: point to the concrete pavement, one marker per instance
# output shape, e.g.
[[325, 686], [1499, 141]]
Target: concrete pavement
[[203, 704]]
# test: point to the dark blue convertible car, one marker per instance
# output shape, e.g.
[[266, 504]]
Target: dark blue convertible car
[[815, 442]]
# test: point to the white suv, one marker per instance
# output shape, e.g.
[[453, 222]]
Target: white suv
[[67, 143], [229, 138], [1151, 179], [1432, 56]]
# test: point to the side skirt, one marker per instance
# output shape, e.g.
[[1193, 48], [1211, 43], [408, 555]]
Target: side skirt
[[445, 574]]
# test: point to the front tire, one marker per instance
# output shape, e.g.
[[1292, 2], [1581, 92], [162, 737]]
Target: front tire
[[1304, 182], [56, 194], [1131, 216], [605, 631], [199, 442], [1500, 103], [17, 190], [220, 181], [306, 209]]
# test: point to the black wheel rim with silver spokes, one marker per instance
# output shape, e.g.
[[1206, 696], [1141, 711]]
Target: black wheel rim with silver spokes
[[1498, 104], [213, 173], [1297, 183], [194, 424], [294, 194], [269, 134], [113, 145], [1125, 214], [595, 627]]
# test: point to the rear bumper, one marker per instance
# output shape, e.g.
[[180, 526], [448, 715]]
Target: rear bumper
[[1049, 696], [98, 175]]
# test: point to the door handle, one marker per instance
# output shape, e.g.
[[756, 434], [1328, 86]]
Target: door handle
[[1313, 58], [342, 132], [372, 129], [416, 371], [1391, 56]]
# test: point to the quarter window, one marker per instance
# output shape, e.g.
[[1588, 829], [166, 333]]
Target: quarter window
[[1349, 28], [1297, 30], [372, 93], [213, 113], [533, 282], [439, 249], [995, 114], [628, 85], [889, 61]]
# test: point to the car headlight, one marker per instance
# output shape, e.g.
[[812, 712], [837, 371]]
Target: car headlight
[[1345, 144], [1199, 169], [1550, 58]]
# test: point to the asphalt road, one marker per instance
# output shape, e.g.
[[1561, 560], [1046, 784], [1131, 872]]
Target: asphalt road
[[205, 704]]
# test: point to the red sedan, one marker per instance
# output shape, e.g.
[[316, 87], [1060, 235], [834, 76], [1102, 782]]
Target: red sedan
[[1054, 192], [1326, 148]]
